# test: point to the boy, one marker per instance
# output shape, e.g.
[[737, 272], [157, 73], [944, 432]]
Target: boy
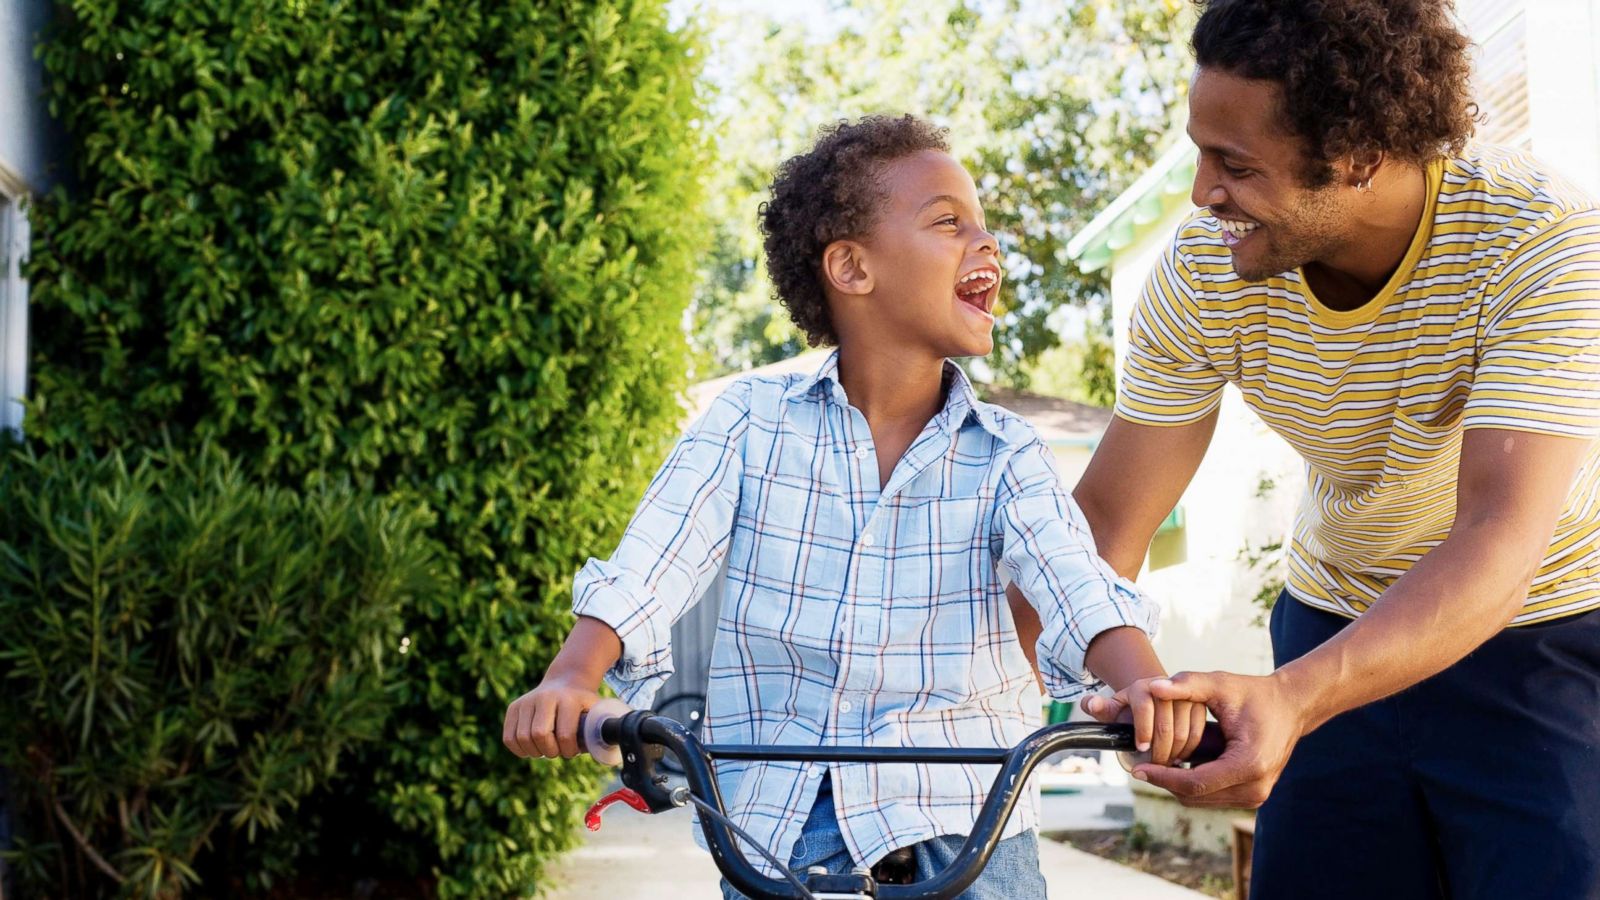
[[863, 512]]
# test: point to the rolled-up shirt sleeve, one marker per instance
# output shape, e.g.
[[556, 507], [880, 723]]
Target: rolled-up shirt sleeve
[[1049, 552], [671, 550]]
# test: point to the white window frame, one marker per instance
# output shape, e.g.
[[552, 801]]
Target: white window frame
[[14, 237]]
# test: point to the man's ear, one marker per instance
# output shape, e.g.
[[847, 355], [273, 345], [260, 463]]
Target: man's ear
[[844, 268], [1364, 165]]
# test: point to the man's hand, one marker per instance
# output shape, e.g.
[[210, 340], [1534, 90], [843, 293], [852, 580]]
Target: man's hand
[[1262, 720], [1169, 729]]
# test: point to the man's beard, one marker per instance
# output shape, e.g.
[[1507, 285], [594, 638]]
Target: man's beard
[[1302, 236], [1277, 261]]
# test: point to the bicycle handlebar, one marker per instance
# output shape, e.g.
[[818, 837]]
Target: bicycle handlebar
[[643, 736]]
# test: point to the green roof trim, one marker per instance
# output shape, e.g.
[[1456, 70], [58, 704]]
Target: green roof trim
[[1162, 188]]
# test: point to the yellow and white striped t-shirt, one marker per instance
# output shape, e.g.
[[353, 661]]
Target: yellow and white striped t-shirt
[[1491, 321]]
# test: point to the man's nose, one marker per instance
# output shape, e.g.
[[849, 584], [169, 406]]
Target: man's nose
[[1206, 191]]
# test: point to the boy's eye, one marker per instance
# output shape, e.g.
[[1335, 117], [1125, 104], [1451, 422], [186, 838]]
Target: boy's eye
[[947, 220]]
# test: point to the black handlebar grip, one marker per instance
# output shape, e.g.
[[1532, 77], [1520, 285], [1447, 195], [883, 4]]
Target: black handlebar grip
[[1212, 743]]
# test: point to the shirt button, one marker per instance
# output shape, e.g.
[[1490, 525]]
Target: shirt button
[[844, 706], [815, 771], [866, 540], [861, 453]]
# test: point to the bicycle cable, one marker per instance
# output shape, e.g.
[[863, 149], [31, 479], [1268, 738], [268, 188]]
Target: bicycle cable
[[707, 809]]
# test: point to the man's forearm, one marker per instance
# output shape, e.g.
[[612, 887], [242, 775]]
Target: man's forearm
[[1457, 596]]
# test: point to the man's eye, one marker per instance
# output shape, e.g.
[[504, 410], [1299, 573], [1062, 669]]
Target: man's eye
[[1235, 171]]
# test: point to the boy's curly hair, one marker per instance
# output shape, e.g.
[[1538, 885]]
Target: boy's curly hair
[[1389, 75], [832, 192]]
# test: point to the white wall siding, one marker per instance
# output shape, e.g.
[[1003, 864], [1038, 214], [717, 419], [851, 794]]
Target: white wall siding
[[13, 314], [27, 137], [29, 160]]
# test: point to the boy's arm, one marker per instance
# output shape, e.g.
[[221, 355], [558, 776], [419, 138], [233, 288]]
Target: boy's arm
[[544, 721], [1093, 624], [671, 550], [1048, 550], [626, 605]]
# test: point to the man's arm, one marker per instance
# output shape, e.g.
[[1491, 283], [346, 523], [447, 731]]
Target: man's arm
[[1511, 489], [1137, 475]]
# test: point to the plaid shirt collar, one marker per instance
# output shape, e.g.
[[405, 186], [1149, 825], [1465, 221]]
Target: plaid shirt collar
[[961, 401]]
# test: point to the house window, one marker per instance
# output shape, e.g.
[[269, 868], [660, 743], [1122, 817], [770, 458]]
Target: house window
[[13, 313]]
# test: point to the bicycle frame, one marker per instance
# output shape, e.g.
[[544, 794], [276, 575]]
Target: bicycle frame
[[644, 736]]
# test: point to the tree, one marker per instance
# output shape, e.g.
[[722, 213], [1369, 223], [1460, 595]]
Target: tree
[[1053, 107], [437, 250]]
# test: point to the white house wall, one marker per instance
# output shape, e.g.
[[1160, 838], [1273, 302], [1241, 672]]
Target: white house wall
[[28, 165], [26, 135], [13, 316], [1564, 86]]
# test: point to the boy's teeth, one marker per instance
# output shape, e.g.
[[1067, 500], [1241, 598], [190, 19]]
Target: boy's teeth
[[975, 282]]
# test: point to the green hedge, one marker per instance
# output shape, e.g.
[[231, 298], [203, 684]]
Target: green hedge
[[187, 657], [441, 249]]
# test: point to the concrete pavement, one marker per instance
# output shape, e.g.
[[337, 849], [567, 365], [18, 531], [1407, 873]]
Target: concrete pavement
[[639, 857]]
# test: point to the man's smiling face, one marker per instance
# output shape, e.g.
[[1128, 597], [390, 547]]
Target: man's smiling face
[[1252, 176]]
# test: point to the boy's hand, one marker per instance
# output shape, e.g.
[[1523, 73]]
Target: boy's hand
[[544, 721], [1169, 729]]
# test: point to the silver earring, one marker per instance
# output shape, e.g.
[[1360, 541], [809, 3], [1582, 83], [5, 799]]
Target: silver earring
[[1364, 186]]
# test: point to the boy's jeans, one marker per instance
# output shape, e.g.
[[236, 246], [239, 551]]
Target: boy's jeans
[[1012, 874]]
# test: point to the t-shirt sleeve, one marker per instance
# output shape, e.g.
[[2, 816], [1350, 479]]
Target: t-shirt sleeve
[[1539, 354], [1167, 378]]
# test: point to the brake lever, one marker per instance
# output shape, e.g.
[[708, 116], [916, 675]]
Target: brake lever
[[632, 753], [591, 819]]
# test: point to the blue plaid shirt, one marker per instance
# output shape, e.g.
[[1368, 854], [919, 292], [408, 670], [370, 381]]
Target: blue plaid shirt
[[854, 615]]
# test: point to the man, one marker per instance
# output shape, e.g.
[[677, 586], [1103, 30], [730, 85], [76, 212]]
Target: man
[[1420, 319]]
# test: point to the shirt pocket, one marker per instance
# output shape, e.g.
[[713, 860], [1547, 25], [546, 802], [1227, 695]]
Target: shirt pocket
[[938, 549], [1421, 451]]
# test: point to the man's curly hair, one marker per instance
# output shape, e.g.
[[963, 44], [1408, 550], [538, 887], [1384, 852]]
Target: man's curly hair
[[833, 192], [1389, 75]]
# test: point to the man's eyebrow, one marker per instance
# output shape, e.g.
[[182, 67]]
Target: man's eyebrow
[[1224, 149]]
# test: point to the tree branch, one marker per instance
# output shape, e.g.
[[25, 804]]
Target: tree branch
[[83, 844]]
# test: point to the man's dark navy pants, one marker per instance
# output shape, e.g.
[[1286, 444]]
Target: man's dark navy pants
[[1481, 783]]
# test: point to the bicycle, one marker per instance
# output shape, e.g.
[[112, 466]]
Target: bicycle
[[687, 707], [637, 740]]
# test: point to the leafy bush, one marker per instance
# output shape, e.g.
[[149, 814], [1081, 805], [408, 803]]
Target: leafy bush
[[439, 249], [187, 657]]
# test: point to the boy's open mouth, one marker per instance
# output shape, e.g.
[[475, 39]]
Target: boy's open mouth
[[979, 288]]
